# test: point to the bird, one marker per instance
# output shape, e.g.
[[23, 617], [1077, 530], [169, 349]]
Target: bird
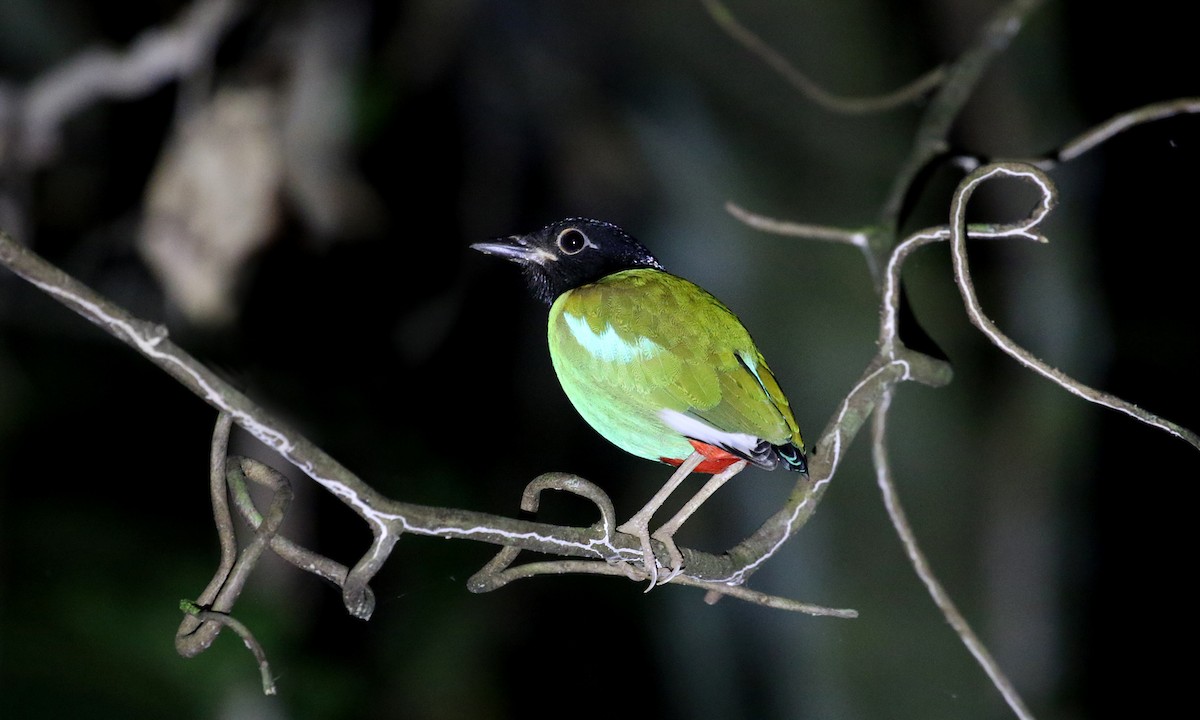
[[655, 364]]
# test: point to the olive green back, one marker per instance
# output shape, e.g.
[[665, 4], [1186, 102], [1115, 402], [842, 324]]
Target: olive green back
[[641, 341]]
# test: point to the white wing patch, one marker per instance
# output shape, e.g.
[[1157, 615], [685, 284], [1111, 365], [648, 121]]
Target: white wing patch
[[689, 426], [751, 364], [608, 345]]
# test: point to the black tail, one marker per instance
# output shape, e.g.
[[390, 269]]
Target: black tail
[[792, 457]]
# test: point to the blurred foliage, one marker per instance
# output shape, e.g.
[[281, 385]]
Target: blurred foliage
[[413, 129]]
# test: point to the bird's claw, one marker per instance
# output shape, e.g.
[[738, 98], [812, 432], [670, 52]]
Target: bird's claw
[[676, 566], [650, 564]]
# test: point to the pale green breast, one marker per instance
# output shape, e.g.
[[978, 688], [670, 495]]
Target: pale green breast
[[642, 341]]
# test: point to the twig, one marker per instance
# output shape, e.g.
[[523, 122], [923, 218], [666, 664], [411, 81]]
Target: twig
[[209, 613], [500, 570], [1124, 121], [904, 365], [156, 57], [860, 239], [883, 476], [193, 636], [952, 88], [597, 567], [848, 105], [957, 233], [191, 609], [966, 287], [300, 557], [230, 579], [944, 109], [889, 337], [857, 238], [204, 617], [151, 341]]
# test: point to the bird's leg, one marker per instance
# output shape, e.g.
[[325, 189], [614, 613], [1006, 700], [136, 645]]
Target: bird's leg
[[665, 534], [639, 524]]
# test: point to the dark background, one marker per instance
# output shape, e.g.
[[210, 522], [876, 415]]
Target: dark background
[[1063, 530]]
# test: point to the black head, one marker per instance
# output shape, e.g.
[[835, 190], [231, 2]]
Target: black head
[[570, 253]]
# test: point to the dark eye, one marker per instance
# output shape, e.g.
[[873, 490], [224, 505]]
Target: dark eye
[[571, 241]]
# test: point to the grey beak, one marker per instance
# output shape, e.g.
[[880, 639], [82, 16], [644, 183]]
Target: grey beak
[[515, 248]]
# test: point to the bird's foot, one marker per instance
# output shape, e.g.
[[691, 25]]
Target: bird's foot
[[639, 525], [650, 564], [676, 566]]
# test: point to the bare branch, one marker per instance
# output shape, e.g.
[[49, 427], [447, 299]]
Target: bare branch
[[193, 636], [302, 558], [911, 92], [962, 276], [207, 615], [883, 476], [954, 86], [204, 617], [230, 579], [890, 297], [151, 341], [857, 238], [156, 57], [883, 373], [1124, 121], [945, 107], [596, 567], [221, 619], [860, 239]]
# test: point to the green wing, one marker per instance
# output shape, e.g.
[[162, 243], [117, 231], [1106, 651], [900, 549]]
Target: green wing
[[642, 341]]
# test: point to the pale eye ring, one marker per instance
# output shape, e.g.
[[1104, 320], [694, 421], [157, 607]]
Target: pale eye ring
[[571, 241]]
